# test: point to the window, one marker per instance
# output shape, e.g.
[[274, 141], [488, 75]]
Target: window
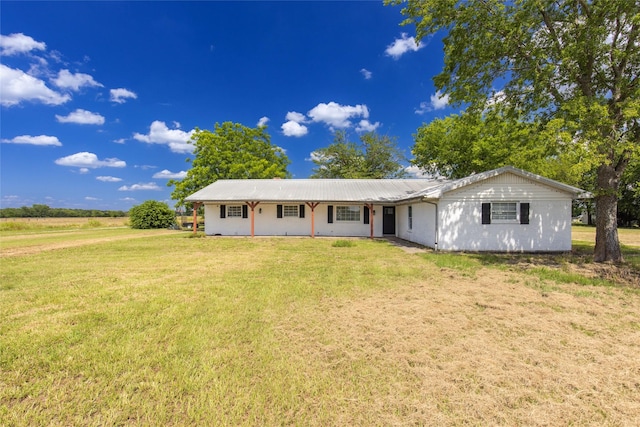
[[410, 217], [504, 211], [234, 211], [290, 211], [348, 213]]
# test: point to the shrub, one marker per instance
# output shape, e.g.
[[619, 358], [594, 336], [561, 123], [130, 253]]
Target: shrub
[[151, 214]]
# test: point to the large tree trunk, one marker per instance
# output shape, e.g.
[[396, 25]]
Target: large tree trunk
[[607, 243]]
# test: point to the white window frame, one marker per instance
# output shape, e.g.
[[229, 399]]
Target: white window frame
[[290, 211], [348, 213], [234, 211], [501, 215], [410, 217]]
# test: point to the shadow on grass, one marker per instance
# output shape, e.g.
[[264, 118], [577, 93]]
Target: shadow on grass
[[576, 266]]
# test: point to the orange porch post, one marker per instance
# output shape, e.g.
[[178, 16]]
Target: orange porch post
[[252, 205], [312, 206]]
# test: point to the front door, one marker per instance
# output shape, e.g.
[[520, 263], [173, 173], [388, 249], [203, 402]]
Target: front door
[[388, 220]]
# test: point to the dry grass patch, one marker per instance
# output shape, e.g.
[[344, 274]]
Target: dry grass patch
[[486, 350], [168, 330]]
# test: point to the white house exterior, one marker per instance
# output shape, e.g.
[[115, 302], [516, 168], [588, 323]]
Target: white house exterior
[[504, 210]]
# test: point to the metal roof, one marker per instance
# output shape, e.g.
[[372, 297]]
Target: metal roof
[[437, 192], [313, 190], [353, 190]]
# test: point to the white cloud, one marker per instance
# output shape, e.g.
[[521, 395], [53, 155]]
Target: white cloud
[[120, 95], [159, 133], [67, 80], [17, 86], [367, 126], [83, 170], [416, 172], [89, 160], [19, 43], [263, 121], [403, 45], [82, 117], [128, 199], [424, 107], [292, 128], [145, 167], [366, 73], [167, 174], [439, 101], [316, 156], [34, 140], [496, 98], [91, 198], [294, 116], [108, 179], [336, 115], [119, 141], [141, 186]]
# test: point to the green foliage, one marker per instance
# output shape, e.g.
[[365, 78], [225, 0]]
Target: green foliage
[[231, 151], [151, 214], [44, 211], [377, 157], [494, 139], [574, 62]]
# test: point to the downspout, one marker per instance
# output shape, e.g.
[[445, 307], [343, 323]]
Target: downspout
[[435, 246]]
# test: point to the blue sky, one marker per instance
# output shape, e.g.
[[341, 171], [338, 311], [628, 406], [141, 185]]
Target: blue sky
[[99, 98]]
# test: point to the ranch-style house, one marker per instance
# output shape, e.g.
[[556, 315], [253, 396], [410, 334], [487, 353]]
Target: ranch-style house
[[503, 210]]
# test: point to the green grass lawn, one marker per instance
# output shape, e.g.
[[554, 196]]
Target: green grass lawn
[[168, 330]]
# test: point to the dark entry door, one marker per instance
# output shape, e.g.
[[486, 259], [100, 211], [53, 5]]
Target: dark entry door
[[388, 220]]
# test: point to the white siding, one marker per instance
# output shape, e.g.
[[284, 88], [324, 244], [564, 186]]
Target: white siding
[[268, 224], [423, 230], [549, 228], [458, 225]]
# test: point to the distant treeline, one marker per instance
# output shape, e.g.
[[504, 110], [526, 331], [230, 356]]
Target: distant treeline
[[44, 211]]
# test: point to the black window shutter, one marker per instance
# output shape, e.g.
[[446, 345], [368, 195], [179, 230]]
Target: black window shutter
[[278, 211], [330, 214], [524, 213], [366, 215], [223, 211], [245, 211], [486, 213], [301, 211]]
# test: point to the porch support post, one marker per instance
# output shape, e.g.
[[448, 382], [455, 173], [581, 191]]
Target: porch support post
[[196, 206], [371, 216], [252, 205], [312, 206]]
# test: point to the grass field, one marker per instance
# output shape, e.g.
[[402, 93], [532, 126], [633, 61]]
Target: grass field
[[127, 327]]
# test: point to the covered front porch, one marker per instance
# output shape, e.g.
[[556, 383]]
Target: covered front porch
[[309, 218]]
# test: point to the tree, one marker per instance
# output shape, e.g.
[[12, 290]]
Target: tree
[[493, 139], [231, 151], [151, 214], [573, 61], [377, 157]]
